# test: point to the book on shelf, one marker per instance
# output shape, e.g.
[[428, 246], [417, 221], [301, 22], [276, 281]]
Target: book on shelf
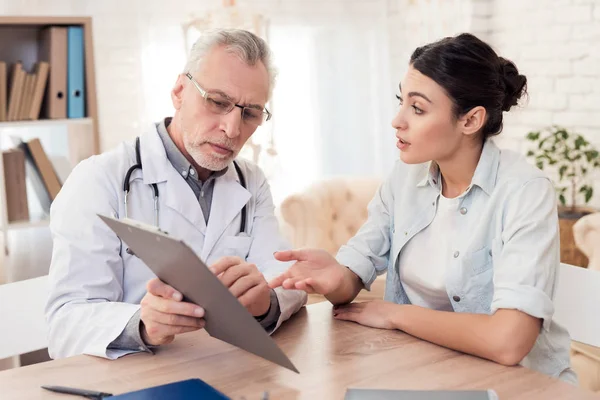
[[53, 48], [38, 90], [40, 172], [26, 92], [16, 90], [3, 91], [15, 185]]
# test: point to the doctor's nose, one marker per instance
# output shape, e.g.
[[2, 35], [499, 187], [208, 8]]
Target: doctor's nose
[[231, 123]]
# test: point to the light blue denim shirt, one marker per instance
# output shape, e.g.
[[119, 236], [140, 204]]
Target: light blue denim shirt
[[506, 255]]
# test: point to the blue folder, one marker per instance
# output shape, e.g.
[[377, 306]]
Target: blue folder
[[75, 73], [189, 389]]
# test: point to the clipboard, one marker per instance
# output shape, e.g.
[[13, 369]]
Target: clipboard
[[383, 394], [176, 264]]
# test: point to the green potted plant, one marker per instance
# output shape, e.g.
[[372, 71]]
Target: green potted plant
[[572, 158]]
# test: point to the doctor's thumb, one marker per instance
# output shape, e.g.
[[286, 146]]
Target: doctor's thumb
[[157, 287]]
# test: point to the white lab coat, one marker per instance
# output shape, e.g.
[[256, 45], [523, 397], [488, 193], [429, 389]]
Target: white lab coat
[[96, 286]]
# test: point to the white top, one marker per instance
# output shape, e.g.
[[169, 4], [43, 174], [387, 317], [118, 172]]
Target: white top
[[424, 259]]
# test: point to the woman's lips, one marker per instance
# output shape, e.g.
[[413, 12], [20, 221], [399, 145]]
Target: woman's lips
[[402, 144]]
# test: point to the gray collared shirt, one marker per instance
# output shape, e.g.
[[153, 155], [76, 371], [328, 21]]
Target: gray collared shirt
[[131, 337], [202, 190]]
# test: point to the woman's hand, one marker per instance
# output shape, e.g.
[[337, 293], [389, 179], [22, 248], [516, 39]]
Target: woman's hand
[[315, 271], [376, 314]]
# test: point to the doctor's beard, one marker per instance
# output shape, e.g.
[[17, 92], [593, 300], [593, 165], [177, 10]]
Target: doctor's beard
[[207, 158]]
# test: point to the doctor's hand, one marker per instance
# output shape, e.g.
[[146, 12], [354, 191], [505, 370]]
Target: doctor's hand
[[164, 314], [245, 282]]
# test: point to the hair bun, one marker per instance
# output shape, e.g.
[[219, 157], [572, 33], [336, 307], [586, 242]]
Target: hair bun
[[514, 83]]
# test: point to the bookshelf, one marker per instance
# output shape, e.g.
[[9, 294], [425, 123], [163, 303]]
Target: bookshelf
[[70, 139]]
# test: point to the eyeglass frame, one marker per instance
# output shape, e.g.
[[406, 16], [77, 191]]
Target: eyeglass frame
[[204, 93]]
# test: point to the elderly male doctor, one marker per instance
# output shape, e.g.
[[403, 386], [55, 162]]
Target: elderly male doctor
[[103, 300]]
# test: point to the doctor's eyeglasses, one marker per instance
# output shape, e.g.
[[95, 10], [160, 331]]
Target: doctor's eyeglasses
[[219, 103]]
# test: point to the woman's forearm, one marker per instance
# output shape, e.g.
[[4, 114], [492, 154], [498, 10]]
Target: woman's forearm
[[349, 288], [505, 337]]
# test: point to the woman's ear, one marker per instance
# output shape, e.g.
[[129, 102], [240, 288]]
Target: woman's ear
[[473, 121]]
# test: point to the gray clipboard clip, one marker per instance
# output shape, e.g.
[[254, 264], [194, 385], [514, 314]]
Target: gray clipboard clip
[[143, 225], [176, 264]]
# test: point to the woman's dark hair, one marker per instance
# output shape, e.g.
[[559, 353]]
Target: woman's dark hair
[[473, 75]]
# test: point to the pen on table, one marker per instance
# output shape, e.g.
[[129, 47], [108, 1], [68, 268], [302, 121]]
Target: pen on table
[[90, 394]]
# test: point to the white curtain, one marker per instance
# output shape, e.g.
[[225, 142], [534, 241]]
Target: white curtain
[[333, 104]]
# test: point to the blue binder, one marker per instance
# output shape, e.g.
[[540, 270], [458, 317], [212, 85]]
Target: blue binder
[[75, 73], [182, 390]]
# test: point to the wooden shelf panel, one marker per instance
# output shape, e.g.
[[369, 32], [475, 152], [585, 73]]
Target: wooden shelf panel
[[45, 122], [34, 223], [43, 21]]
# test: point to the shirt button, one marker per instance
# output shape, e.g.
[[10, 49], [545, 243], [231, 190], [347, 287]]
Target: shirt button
[[463, 210], [456, 298], [184, 173], [456, 254], [192, 172]]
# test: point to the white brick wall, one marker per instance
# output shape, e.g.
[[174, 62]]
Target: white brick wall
[[562, 65], [571, 13], [415, 23]]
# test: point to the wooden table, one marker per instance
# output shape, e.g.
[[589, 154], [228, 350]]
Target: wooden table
[[331, 356]]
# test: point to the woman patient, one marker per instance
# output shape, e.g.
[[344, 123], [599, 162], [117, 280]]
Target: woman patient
[[467, 233]]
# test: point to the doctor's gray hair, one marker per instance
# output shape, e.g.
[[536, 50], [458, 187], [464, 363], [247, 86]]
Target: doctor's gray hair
[[250, 48]]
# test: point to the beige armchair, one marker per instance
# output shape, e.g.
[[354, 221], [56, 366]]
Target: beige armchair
[[586, 233], [586, 359], [326, 215]]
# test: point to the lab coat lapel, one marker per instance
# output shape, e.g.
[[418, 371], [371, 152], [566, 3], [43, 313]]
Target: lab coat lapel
[[181, 198], [229, 197], [176, 192]]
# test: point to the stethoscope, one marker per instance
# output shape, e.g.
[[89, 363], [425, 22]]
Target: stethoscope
[[138, 165]]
